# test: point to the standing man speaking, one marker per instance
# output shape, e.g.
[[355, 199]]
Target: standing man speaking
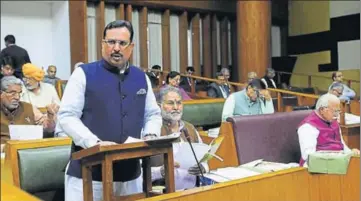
[[104, 103]]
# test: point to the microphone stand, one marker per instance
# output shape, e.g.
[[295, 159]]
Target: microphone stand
[[194, 154]]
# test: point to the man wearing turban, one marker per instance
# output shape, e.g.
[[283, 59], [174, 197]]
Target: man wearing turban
[[36, 92]]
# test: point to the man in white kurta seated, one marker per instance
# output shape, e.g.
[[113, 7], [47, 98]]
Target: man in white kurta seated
[[35, 91], [172, 110], [320, 131]]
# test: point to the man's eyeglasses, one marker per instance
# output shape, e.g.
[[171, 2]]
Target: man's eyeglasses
[[122, 44], [12, 93], [172, 103]]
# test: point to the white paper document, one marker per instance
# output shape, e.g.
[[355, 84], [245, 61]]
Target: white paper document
[[184, 156], [25, 132], [230, 173], [351, 119]]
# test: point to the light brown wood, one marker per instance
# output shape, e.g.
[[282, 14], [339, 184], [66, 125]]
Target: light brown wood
[[207, 51], [107, 178], [166, 56], [58, 87], [351, 135], [14, 193], [224, 42], [291, 184], [128, 17], [12, 147], [100, 18], [355, 107], [168, 168], [214, 45], [196, 44], [202, 101], [194, 6], [143, 37], [254, 35], [78, 32], [87, 183], [120, 12], [183, 44]]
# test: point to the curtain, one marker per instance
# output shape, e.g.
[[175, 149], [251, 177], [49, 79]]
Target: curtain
[[92, 39], [155, 39], [174, 40], [136, 50]]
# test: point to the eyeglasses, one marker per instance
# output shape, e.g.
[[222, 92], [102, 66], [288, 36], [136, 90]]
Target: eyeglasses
[[12, 93], [335, 112], [112, 43]]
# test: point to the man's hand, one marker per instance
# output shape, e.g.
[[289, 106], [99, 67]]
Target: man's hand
[[52, 109], [105, 143], [162, 171], [265, 93], [149, 136], [356, 151], [195, 170]]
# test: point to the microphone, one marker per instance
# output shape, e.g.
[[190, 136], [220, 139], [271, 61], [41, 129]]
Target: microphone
[[185, 131]]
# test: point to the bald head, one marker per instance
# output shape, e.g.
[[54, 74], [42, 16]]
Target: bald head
[[51, 71]]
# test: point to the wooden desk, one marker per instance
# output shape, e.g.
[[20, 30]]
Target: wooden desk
[[291, 184], [13, 193], [351, 135]]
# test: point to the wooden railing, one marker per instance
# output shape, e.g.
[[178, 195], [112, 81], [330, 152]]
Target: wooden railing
[[310, 76]]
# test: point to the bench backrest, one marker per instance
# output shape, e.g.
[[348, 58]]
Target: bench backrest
[[272, 137]]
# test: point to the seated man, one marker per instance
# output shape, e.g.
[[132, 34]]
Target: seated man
[[251, 76], [15, 112], [154, 76], [185, 82], [254, 99], [171, 110], [51, 78], [320, 130], [218, 89], [268, 78], [347, 92], [36, 92]]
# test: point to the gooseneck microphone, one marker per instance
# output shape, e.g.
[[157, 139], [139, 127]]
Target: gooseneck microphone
[[185, 131]]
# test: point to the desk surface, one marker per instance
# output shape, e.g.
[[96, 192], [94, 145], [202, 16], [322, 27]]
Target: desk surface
[[12, 193]]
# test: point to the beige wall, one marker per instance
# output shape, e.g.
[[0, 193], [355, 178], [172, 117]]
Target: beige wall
[[307, 17]]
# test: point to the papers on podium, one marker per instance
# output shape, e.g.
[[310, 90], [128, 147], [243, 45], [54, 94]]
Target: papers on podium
[[351, 119], [25, 132]]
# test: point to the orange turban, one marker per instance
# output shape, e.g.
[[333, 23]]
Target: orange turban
[[32, 71]]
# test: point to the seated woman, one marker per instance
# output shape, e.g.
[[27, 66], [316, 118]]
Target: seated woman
[[173, 80]]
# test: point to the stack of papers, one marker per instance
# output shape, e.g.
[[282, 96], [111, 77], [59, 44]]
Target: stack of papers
[[265, 166], [351, 119], [230, 173], [25, 132]]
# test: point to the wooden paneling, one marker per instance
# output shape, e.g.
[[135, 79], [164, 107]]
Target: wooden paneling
[[100, 18], [166, 56], [196, 44], [234, 70], [295, 184], [207, 52], [183, 41], [224, 42], [128, 17], [78, 32], [253, 34], [194, 6], [120, 12], [214, 45], [143, 37]]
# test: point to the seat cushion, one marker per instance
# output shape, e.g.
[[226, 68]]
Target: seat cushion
[[42, 169], [272, 137], [203, 114]]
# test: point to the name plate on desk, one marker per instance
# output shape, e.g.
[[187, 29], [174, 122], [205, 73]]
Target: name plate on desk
[[329, 162]]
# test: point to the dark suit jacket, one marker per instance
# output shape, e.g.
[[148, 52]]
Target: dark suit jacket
[[215, 92], [185, 84], [153, 79], [19, 55]]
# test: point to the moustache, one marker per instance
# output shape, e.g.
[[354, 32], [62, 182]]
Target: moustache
[[175, 112], [117, 54]]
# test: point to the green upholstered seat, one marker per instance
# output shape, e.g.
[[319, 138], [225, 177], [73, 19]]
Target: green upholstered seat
[[203, 114], [42, 169]]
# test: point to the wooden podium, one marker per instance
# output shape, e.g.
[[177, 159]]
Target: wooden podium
[[106, 155]]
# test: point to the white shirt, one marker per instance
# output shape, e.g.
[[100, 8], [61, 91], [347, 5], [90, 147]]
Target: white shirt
[[307, 135], [72, 105], [44, 96]]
